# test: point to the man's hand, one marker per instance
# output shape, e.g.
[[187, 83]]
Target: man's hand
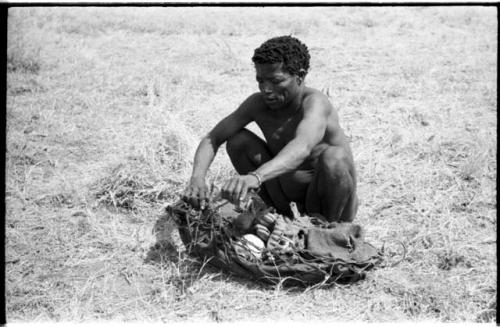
[[236, 188], [196, 194]]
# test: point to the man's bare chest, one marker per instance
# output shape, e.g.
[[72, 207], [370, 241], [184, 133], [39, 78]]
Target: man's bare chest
[[278, 131]]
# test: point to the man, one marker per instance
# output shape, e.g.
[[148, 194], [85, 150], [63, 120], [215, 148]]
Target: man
[[305, 158]]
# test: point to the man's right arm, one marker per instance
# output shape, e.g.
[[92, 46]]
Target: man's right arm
[[197, 190]]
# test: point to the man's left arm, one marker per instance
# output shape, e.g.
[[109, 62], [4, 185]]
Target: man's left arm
[[309, 133]]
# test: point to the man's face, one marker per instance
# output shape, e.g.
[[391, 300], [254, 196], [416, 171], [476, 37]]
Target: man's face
[[276, 85]]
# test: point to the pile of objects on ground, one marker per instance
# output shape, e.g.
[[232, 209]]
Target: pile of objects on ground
[[259, 243]]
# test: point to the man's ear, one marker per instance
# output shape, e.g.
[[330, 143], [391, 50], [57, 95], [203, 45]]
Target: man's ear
[[302, 75]]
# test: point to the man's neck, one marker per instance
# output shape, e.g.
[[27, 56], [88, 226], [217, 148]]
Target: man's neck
[[296, 103]]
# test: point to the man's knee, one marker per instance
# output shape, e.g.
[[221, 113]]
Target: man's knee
[[336, 160]]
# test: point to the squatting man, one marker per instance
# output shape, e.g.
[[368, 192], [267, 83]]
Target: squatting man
[[305, 157]]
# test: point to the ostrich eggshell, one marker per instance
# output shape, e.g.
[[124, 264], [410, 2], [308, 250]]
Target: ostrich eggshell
[[250, 244]]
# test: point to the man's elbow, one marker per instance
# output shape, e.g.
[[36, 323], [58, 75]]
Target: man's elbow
[[212, 140]]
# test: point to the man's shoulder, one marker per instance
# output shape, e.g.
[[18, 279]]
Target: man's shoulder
[[256, 98], [250, 104], [314, 98], [255, 104]]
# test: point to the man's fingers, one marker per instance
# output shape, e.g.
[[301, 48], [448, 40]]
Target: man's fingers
[[229, 190], [190, 195], [186, 194], [225, 190], [243, 194], [237, 192], [204, 195], [203, 198], [232, 191]]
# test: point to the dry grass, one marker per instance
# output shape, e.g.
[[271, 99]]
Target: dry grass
[[105, 107]]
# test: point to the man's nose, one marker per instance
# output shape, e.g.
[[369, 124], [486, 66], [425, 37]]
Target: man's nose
[[266, 87]]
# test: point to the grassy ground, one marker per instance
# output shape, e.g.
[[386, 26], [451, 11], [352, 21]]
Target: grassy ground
[[105, 107]]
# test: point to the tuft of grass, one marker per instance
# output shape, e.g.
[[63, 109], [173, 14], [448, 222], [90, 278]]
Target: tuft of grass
[[23, 52], [129, 187], [22, 57], [155, 177]]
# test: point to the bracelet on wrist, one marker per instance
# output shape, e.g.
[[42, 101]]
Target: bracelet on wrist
[[256, 175]]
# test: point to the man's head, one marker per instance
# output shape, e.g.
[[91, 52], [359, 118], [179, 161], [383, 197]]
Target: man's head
[[285, 49], [281, 64]]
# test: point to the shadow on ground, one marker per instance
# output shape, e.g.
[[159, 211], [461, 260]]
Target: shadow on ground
[[169, 248]]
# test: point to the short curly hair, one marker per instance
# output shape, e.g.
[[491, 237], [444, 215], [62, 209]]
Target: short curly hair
[[286, 49]]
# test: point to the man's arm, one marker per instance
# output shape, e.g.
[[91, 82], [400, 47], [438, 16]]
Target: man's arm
[[309, 133], [197, 190]]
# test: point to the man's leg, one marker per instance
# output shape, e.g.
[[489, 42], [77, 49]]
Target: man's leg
[[295, 185], [332, 192], [247, 152]]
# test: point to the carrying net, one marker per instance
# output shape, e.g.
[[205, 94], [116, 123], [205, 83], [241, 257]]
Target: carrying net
[[263, 245]]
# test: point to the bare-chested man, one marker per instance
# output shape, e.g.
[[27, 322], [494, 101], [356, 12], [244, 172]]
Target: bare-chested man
[[305, 157]]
